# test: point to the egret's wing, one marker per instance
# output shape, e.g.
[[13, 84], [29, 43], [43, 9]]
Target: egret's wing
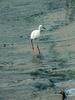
[[35, 34]]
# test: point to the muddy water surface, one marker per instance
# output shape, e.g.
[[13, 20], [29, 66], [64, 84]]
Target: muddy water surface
[[24, 76]]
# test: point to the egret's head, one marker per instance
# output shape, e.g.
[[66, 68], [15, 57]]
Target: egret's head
[[41, 27]]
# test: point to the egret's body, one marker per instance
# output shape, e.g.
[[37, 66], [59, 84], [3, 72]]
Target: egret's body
[[34, 35]]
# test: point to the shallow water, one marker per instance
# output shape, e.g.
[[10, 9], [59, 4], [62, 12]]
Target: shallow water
[[24, 76]]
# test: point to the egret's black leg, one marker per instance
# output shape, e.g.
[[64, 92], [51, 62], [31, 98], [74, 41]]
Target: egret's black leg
[[38, 48], [32, 44]]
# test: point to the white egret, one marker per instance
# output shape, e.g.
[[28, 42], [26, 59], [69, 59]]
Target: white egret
[[34, 35]]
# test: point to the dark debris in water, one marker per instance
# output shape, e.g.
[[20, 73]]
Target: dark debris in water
[[4, 45], [43, 84], [40, 86], [36, 73], [21, 36]]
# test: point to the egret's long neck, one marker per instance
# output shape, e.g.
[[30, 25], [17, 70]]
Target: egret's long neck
[[39, 28]]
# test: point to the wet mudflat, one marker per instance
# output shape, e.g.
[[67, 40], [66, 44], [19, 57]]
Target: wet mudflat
[[24, 76]]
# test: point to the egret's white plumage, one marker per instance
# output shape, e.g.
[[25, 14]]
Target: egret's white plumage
[[34, 35]]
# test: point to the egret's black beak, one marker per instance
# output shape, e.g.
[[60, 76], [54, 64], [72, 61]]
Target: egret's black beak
[[32, 44], [43, 27]]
